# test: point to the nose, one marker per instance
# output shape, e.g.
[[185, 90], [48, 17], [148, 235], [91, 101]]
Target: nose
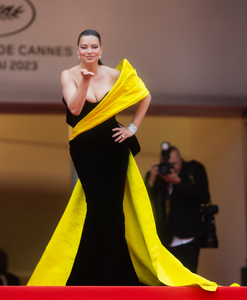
[[89, 50]]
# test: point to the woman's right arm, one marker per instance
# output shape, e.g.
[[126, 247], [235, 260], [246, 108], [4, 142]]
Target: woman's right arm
[[75, 97]]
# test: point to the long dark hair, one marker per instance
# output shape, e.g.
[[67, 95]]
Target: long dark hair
[[87, 33]]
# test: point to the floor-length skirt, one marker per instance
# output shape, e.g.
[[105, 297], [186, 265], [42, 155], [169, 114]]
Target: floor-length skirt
[[101, 164]]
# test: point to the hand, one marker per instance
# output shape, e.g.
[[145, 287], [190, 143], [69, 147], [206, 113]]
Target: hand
[[122, 133], [153, 174], [86, 74], [172, 177]]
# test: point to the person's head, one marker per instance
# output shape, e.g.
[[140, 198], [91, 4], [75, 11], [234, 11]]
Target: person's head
[[175, 159], [89, 46]]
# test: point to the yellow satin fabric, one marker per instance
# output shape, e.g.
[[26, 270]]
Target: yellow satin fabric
[[154, 265]]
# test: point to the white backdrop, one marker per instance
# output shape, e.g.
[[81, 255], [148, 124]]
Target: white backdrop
[[184, 50]]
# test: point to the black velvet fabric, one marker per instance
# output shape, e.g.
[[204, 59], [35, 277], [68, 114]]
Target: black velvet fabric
[[101, 164]]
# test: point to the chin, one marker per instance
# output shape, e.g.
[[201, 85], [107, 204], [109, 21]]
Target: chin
[[91, 60]]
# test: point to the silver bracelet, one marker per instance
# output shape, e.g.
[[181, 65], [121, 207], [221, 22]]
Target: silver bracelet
[[132, 128]]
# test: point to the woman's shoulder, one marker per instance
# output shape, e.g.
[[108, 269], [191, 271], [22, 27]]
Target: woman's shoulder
[[72, 71], [111, 72], [70, 74]]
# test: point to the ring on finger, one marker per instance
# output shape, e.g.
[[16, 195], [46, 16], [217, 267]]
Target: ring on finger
[[122, 135]]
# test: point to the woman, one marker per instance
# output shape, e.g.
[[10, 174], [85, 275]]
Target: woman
[[96, 243], [100, 157]]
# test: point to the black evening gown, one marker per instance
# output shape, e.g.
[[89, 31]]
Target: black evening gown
[[101, 164]]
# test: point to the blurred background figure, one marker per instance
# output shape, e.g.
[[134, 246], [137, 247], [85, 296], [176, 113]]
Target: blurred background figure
[[6, 278], [177, 189]]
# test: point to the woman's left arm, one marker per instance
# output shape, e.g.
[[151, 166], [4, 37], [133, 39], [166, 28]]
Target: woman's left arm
[[123, 133], [141, 110]]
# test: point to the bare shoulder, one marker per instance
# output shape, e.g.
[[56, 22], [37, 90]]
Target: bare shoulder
[[112, 73], [69, 74], [65, 75]]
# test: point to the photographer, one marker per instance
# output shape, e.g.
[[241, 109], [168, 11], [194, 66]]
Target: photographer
[[177, 189]]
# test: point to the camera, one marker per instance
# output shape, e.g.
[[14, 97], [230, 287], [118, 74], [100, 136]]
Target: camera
[[165, 167], [209, 240]]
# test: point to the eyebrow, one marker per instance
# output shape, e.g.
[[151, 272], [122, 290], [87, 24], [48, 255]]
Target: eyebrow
[[91, 45]]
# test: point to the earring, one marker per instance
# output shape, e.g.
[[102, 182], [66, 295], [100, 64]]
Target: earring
[[78, 56], [100, 56]]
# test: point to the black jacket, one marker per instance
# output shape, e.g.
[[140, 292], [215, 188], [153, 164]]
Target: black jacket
[[182, 216]]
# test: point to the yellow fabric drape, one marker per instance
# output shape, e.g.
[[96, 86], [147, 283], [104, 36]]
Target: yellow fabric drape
[[154, 265]]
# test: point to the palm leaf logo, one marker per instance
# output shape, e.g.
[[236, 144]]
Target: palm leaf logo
[[10, 12]]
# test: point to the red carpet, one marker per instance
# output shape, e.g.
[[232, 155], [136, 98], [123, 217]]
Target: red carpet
[[120, 293]]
